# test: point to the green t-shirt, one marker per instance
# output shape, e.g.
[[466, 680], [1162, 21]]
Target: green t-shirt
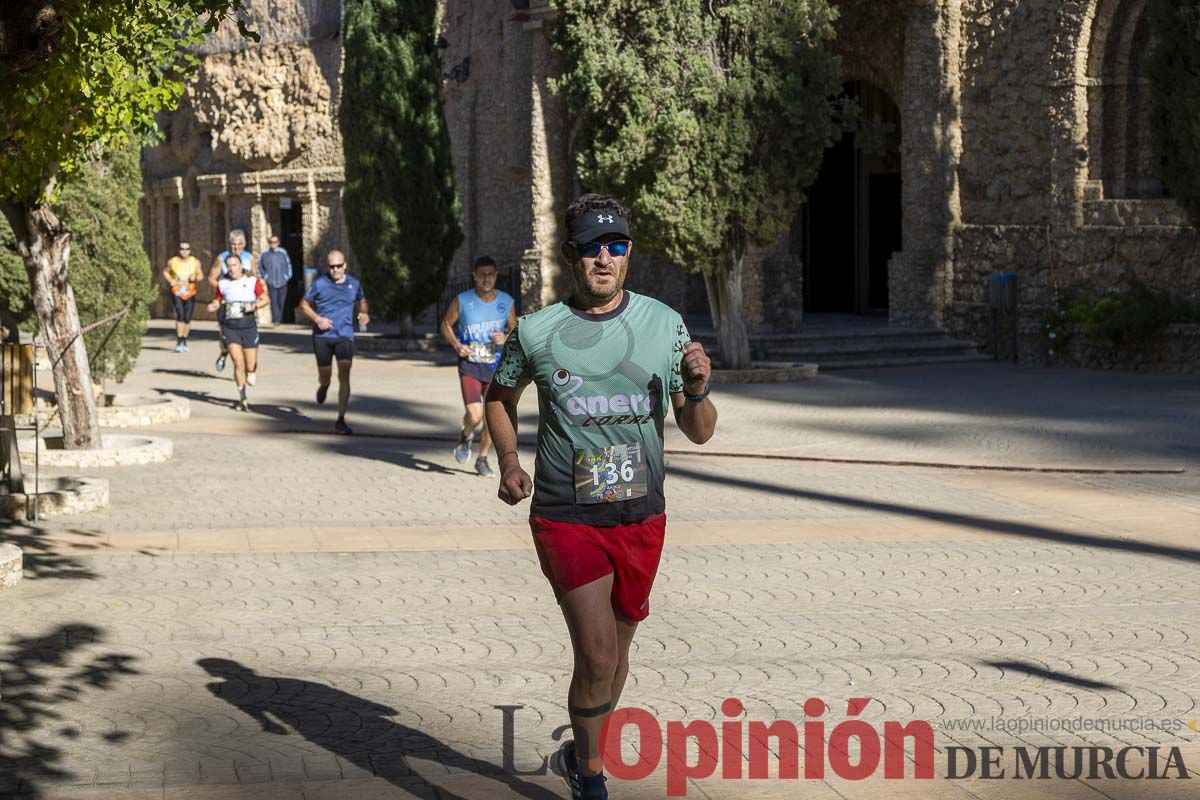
[[604, 384]]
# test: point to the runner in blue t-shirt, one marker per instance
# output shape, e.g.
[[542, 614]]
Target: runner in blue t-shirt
[[476, 325], [330, 303]]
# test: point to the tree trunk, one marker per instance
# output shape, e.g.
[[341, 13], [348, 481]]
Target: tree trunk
[[45, 247], [406, 325], [725, 303]]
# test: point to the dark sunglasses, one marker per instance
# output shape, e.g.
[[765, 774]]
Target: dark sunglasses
[[336, 266], [592, 249]]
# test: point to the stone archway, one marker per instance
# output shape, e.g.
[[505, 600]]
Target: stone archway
[[912, 48], [852, 222], [1122, 160]]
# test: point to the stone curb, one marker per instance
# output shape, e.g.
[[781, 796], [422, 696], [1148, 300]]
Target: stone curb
[[58, 497], [867, 461], [124, 412], [767, 372], [128, 413], [10, 565], [117, 450]]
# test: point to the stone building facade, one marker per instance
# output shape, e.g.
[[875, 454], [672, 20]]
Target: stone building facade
[[254, 144], [997, 136]]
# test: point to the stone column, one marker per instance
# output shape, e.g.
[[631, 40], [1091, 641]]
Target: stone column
[[1068, 111], [258, 222], [310, 222], [549, 162], [920, 278]]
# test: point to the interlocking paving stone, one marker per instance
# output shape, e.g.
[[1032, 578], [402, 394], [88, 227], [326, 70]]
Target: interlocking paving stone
[[328, 639]]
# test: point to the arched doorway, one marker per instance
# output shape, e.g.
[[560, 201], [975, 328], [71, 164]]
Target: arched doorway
[[852, 221]]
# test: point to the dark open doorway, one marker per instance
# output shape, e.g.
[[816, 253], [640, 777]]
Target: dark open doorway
[[852, 220], [291, 236]]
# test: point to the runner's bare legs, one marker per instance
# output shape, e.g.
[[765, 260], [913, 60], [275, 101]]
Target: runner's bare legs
[[601, 643]]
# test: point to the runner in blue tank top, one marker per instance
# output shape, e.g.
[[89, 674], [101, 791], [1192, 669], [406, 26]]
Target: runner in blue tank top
[[476, 325]]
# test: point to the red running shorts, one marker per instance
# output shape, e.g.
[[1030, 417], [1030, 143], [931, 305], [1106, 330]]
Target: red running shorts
[[473, 389], [574, 554]]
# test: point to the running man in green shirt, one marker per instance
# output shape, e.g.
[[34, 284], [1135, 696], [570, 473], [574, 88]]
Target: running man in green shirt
[[606, 364]]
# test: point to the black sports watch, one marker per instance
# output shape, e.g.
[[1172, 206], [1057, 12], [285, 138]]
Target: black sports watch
[[697, 398]]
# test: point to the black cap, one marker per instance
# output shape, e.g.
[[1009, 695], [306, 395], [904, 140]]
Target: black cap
[[591, 225]]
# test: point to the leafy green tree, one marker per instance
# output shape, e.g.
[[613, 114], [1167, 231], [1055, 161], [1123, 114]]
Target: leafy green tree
[[402, 210], [83, 78], [110, 271], [709, 118], [1174, 70]]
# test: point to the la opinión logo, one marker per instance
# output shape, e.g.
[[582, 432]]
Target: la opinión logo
[[735, 742], [741, 748]]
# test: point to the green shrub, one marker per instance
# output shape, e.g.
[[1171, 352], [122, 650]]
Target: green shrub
[[109, 269]]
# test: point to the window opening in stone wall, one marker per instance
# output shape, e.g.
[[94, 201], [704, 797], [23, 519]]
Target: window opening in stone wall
[[291, 238], [851, 224], [1122, 162]]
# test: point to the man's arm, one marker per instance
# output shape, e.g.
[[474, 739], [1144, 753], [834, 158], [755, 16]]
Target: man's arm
[[288, 259], [364, 317], [307, 309], [214, 274], [500, 337], [697, 420], [500, 411], [448, 330]]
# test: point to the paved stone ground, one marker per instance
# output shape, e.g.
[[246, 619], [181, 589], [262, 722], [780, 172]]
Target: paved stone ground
[[348, 632]]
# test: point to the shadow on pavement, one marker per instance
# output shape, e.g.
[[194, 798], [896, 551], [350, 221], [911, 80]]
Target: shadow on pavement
[[1001, 526], [288, 414], [1050, 675], [186, 373], [31, 699], [388, 450], [352, 728], [1147, 414], [39, 557]]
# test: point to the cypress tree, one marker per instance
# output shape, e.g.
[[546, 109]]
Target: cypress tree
[[109, 267], [402, 210], [709, 118], [1173, 68]]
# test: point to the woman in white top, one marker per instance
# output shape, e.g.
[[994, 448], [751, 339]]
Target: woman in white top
[[239, 296]]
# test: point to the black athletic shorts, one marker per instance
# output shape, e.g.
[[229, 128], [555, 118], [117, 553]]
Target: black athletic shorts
[[245, 336], [184, 308], [326, 348]]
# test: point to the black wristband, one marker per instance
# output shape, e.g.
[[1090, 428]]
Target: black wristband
[[697, 398]]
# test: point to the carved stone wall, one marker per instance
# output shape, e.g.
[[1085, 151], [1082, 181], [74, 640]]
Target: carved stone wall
[[255, 133], [1058, 173]]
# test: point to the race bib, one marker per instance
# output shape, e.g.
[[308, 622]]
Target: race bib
[[185, 290], [482, 353], [609, 474], [235, 310]]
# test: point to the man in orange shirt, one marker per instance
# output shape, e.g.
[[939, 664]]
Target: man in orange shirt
[[181, 274]]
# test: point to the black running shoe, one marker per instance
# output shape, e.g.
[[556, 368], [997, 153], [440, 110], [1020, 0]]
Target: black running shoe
[[582, 787]]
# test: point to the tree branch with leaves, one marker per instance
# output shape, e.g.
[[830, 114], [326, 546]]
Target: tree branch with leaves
[[81, 78], [709, 118]]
